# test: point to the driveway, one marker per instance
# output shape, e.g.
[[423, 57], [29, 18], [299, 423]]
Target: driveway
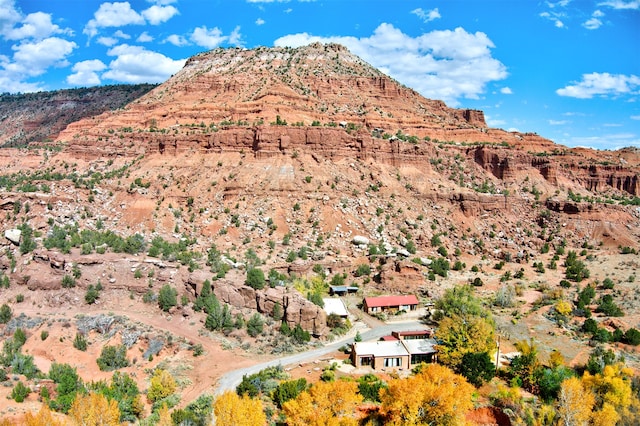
[[232, 379]]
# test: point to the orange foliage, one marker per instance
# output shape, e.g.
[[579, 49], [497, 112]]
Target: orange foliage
[[44, 417], [324, 404], [436, 395], [232, 410], [94, 410]]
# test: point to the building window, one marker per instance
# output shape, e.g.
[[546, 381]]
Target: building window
[[392, 362], [418, 358], [365, 360]]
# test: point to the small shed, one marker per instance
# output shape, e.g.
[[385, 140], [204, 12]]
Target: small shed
[[341, 290], [335, 306]]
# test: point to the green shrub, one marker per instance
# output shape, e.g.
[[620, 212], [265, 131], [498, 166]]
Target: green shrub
[[363, 269], [477, 367], [632, 337], [255, 325], [23, 364], [288, 390], [255, 279], [369, 387], [299, 335], [167, 297], [91, 295], [80, 342], [5, 314], [590, 326], [608, 307], [68, 281], [112, 358], [20, 392]]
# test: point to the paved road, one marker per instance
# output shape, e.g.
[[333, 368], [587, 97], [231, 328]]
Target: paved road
[[230, 380]]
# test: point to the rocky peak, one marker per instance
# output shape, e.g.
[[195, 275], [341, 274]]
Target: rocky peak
[[311, 85]]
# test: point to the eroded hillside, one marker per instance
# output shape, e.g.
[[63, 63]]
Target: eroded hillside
[[313, 167]]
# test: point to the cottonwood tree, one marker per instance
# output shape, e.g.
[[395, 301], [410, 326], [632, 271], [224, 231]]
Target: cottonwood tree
[[233, 410], [162, 385], [95, 410], [324, 404], [575, 403], [435, 395], [465, 326], [43, 417]]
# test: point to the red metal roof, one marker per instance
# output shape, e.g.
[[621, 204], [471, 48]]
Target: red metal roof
[[382, 301], [389, 338]]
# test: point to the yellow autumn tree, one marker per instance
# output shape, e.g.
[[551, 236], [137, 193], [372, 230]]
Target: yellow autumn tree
[[164, 417], [575, 403], [94, 410], [162, 385], [458, 336], [613, 392], [325, 404], [436, 395], [605, 416], [233, 410], [43, 417]]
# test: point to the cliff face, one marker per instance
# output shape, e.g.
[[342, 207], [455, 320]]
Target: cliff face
[[34, 117], [324, 100]]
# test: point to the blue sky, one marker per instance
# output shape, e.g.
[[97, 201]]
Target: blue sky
[[568, 70]]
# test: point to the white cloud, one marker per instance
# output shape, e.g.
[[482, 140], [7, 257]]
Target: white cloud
[[145, 37], [111, 41], [506, 91], [177, 40], [446, 65], [212, 38], [85, 73], [555, 15], [495, 123], [592, 24], [426, 15], [601, 84], [558, 122], [113, 15], [611, 141], [158, 14], [9, 16], [260, 21], [36, 49], [635, 117], [621, 4], [135, 64], [235, 38], [32, 59], [121, 34], [561, 3], [107, 41], [36, 25]]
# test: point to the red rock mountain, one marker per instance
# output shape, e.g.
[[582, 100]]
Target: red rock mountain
[[293, 152]]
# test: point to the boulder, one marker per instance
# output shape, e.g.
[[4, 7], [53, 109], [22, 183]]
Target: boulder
[[13, 235], [403, 253], [360, 240]]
